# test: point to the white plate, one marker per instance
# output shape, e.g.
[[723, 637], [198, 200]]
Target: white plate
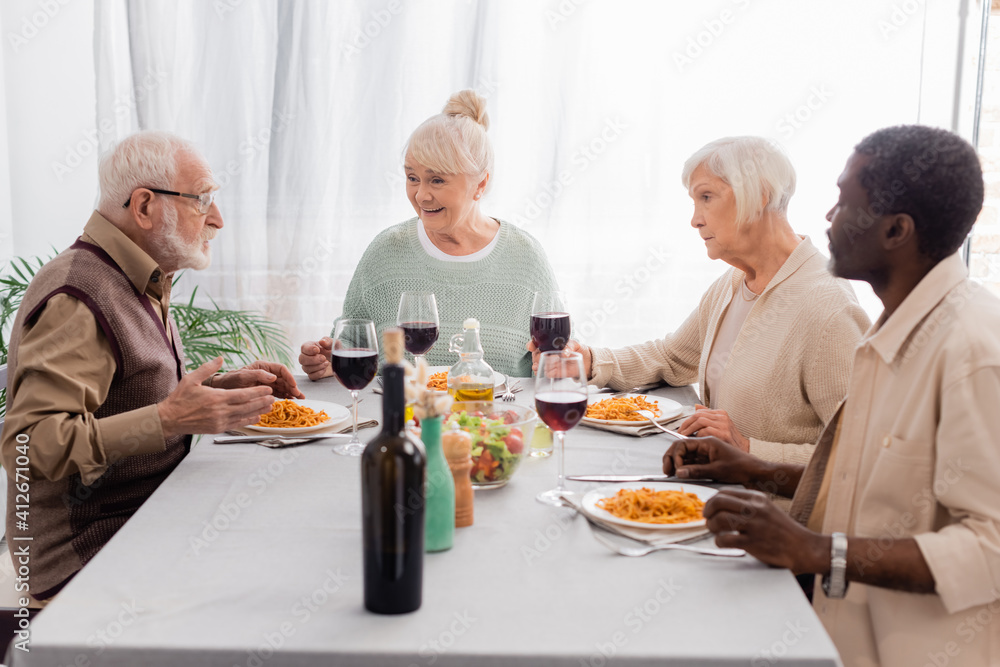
[[668, 410], [590, 499], [338, 415], [498, 378]]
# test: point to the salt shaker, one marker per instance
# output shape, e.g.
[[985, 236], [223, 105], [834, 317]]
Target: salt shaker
[[457, 446]]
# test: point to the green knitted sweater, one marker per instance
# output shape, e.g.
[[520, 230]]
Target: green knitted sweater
[[496, 290]]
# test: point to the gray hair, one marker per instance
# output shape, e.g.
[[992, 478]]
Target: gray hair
[[754, 167], [145, 159]]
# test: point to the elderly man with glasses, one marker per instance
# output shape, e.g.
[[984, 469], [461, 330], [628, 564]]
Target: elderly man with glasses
[[99, 406]]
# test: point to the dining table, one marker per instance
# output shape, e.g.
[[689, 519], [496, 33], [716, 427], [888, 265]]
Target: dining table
[[251, 556]]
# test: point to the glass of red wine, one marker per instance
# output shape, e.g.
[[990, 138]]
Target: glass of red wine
[[549, 321], [418, 318], [561, 401], [355, 361]]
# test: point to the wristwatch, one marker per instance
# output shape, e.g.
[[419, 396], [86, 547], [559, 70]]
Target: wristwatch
[[835, 583]]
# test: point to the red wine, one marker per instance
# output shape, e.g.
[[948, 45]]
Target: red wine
[[355, 368], [420, 336], [561, 410], [393, 473], [550, 331]]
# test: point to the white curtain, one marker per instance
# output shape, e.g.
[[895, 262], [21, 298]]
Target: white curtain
[[6, 217], [302, 108]]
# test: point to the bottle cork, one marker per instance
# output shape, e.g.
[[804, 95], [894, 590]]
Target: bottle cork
[[392, 345], [457, 446]]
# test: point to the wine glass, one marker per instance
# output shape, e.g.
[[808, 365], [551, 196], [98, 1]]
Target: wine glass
[[561, 401], [418, 317], [354, 361], [550, 328]]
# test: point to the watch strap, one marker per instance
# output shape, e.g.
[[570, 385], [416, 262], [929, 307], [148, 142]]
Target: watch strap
[[835, 583]]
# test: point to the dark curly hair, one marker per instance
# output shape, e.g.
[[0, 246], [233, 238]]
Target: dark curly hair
[[930, 174]]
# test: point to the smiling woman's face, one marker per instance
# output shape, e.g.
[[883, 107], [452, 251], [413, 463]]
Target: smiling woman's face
[[443, 202], [714, 213]]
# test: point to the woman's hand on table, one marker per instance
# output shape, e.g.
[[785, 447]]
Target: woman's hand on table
[[572, 346], [315, 358], [716, 424]]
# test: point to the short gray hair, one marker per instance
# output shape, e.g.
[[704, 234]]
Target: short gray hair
[[145, 159], [754, 167]]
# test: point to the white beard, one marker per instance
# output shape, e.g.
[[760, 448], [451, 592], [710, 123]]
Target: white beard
[[175, 253]]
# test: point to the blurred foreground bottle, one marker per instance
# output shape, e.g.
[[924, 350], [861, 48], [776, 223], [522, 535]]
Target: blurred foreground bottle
[[439, 526], [393, 476]]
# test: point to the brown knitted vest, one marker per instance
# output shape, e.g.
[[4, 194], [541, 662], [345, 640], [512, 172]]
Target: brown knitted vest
[[70, 522]]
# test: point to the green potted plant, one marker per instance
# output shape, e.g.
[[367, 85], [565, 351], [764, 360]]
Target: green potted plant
[[239, 336]]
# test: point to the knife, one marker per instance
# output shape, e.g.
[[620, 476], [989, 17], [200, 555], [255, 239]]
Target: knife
[[234, 439], [634, 478]]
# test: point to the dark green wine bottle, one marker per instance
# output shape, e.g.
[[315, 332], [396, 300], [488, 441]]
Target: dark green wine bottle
[[393, 473]]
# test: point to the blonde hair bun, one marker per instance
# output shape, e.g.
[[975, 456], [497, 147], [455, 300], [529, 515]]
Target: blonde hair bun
[[470, 104], [455, 141]]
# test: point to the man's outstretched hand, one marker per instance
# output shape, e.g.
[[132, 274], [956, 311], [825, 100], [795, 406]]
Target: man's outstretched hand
[[193, 407], [260, 373]]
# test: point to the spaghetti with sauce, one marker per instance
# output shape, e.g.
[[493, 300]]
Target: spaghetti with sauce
[[438, 381], [657, 507], [622, 409], [288, 414]]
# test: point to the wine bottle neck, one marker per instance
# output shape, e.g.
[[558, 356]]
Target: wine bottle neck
[[393, 399]]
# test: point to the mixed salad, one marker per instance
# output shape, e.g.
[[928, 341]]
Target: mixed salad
[[497, 447]]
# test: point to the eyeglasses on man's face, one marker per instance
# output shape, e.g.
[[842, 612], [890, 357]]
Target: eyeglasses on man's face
[[205, 199]]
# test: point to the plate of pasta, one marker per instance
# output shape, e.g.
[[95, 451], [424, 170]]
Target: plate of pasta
[[301, 416], [620, 411], [650, 505], [439, 378]]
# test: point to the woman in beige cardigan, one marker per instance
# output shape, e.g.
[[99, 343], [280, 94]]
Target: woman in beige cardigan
[[772, 341]]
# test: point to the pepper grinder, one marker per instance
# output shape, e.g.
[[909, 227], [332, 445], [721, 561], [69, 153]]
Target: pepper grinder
[[457, 446]]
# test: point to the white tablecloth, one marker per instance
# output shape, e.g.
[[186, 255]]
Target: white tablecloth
[[252, 556]]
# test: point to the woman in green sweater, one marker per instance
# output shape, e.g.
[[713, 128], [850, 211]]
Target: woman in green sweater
[[475, 265]]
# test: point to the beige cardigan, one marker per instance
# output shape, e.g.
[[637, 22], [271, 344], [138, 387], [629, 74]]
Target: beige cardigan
[[789, 366]]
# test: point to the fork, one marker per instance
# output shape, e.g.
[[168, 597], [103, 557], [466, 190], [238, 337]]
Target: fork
[[508, 395], [649, 415], [638, 551]]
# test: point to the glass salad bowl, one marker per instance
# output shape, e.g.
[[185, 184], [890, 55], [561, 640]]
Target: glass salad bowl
[[501, 438]]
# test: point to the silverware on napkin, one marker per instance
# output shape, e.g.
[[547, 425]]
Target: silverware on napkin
[[236, 439], [608, 539]]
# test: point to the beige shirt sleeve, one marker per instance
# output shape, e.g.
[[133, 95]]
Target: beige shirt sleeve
[[673, 359], [964, 557], [64, 371]]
